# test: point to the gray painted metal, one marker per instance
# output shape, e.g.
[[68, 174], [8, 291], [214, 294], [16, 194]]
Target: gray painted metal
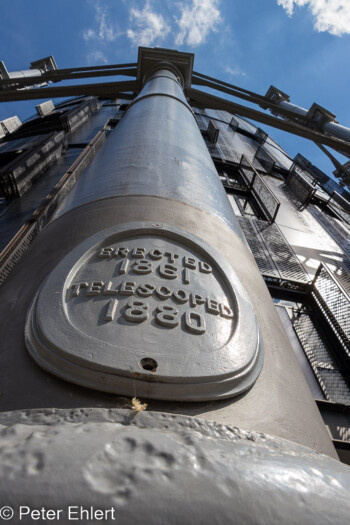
[[159, 468], [200, 337], [156, 149], [68, 74], [332, 128], [25, 73], [296, 418]]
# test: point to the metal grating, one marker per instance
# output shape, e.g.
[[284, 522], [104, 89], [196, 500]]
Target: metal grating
[[74, 118], [329, 377], [336, 385], [9, 263], [17, 176], [274, 256], [202, 123], [247, 171], [340, 213], [334, 229], [340, 206], [334, 303], [225, 143], [301, 161], [301, 188], [214, 150], [258, 248], [342, 274], [264, 197], [287, 263], [265, 159], [14, 251], [213, 131], [260, 136], [339, 199], [228, 153], [234, 124]]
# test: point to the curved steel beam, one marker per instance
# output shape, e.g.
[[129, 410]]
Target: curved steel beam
[[103, 89], [210, 101]]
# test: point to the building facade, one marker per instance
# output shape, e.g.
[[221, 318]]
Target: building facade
[[159, 248]]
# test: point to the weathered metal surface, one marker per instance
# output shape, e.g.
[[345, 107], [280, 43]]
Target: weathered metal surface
[[158, 468]]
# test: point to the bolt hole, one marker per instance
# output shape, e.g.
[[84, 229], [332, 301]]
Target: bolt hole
[[147, 363]]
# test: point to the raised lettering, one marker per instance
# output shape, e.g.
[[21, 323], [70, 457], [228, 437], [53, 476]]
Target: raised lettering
[[204, 267], [94, 288], [189, 262], [105, 253], [111, 309], [186, 276], [138, 253], [108, 289], [155, 254], [143, 266], [127, 288], [163, 292], [168, 271], [171, 256], [123, 267], [167, 316], [196, 299], [76, 287], [122, 252], [212, 307], [145, 290], [136, 311], [194, 322], [180, 296], [225, 311]]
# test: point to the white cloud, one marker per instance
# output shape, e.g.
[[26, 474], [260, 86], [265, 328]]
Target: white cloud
[[88, 34], [235, 72], [147, 26], [330, 15], [196, 21], [97, 57], [105, 30]]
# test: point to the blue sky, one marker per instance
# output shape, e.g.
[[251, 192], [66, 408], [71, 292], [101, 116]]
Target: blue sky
[[300, 46]]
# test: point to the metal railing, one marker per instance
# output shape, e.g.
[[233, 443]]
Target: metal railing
[[302, 189], [334, 302], [264, 197]]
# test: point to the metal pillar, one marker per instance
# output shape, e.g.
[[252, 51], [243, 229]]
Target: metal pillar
[[156, 149]]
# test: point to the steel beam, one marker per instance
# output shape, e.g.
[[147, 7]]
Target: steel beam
[[249, 96], [56, 76], [210, 101], [102, 90]]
